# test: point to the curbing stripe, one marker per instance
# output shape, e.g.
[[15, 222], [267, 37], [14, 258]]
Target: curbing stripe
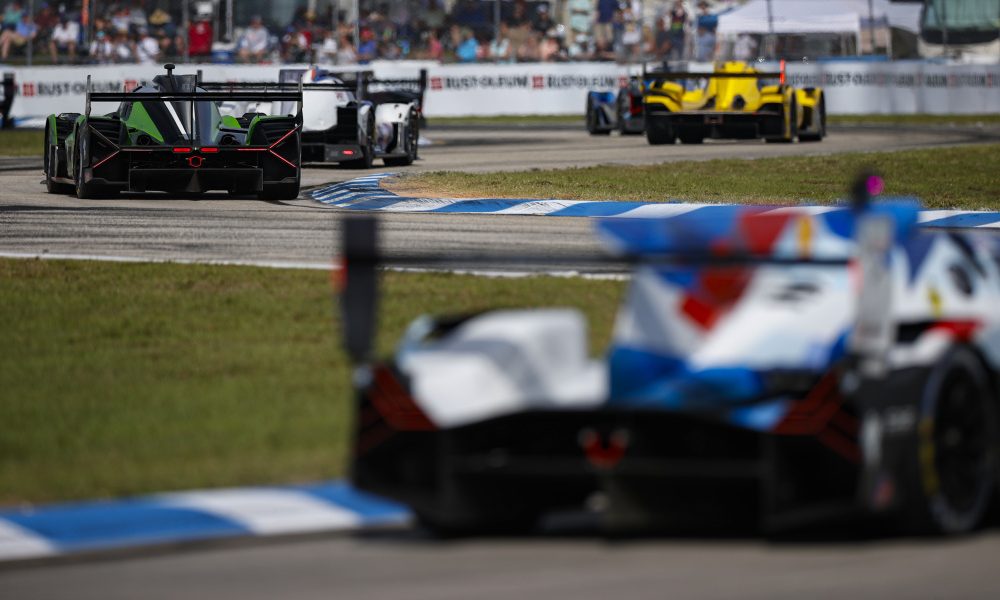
[[366, 193], [36, 532]]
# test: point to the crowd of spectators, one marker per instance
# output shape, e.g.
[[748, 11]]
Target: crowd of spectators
[[144, 31]]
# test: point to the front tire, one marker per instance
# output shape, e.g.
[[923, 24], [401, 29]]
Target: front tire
[[952, 477]]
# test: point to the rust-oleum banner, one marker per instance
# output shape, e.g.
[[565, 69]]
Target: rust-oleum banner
[[852, 87]]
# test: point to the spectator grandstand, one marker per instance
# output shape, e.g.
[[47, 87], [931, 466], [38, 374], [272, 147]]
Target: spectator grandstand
[[352, 31]]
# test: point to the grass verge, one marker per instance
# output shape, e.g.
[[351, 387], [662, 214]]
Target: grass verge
[[120, 379], [21, 142], [966, 177]]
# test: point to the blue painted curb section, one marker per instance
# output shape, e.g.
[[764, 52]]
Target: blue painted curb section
[[366, 194], [190, 516]]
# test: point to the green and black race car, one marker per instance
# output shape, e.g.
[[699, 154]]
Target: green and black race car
[[169, 135]]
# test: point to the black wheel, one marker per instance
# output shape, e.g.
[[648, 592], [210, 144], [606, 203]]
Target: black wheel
[[83, 190], [793, 125], [51, 168], [621, 108], [410, 141], [953, 473], [368, 152], [820, 132], [659, 132], [692, 138], [593, 128]]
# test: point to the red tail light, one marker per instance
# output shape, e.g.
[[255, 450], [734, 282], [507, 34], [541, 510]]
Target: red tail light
[[182, 150], [210, 150]]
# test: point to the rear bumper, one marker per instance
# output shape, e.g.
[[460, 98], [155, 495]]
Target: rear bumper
[[236, 180], [322, 152], [719, 124], [674, 469]]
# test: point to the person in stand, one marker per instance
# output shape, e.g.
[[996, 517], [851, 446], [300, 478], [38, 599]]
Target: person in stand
[[345, 51], [745, 48], [200, 36], [604, 17], [64, 38], [20, 37], [500, 50], [543, 22], [326, 49], [678, 21], [660, 46], [253, 44], [122, 48], [147, 48], [468, 50]]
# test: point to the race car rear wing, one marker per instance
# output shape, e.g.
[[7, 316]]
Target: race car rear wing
[[230, 91], [668, 75]]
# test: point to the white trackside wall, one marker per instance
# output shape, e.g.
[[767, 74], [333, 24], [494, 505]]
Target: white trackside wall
[[854, 87]]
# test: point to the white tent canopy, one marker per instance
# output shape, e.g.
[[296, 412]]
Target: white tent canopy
[[815, 16]]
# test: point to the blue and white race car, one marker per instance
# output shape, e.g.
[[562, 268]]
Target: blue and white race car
[[768, 364], [620, 111]]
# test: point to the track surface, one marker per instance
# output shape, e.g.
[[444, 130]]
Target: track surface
[[407, 565], [220, 228]]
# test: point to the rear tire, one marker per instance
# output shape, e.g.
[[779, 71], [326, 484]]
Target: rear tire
[[659, 133], [793, 125], [952, 475], [51, 168], [820, 132], [412, 138], [593, 128], [84, 191]]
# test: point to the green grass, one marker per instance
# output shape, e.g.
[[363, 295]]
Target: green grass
[[958, 177], [21, 142], [119, 379]]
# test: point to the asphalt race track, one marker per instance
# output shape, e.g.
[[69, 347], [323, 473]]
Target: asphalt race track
[[406, 564], [219, 228]]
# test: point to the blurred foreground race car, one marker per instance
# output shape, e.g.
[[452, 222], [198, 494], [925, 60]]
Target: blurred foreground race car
[[353, 118], [169, 135], [620, 111], [771, 365], [733, 101]]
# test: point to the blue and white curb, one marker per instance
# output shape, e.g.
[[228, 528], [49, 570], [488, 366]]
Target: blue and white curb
[[60, 529], [366, 194]]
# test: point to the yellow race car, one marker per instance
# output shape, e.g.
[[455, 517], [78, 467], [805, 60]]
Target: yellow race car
[[734, 101]]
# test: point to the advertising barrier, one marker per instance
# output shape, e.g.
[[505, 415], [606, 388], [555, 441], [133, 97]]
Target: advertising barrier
[[904, 87]]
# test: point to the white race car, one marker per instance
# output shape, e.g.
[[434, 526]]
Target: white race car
[[353, 118]]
